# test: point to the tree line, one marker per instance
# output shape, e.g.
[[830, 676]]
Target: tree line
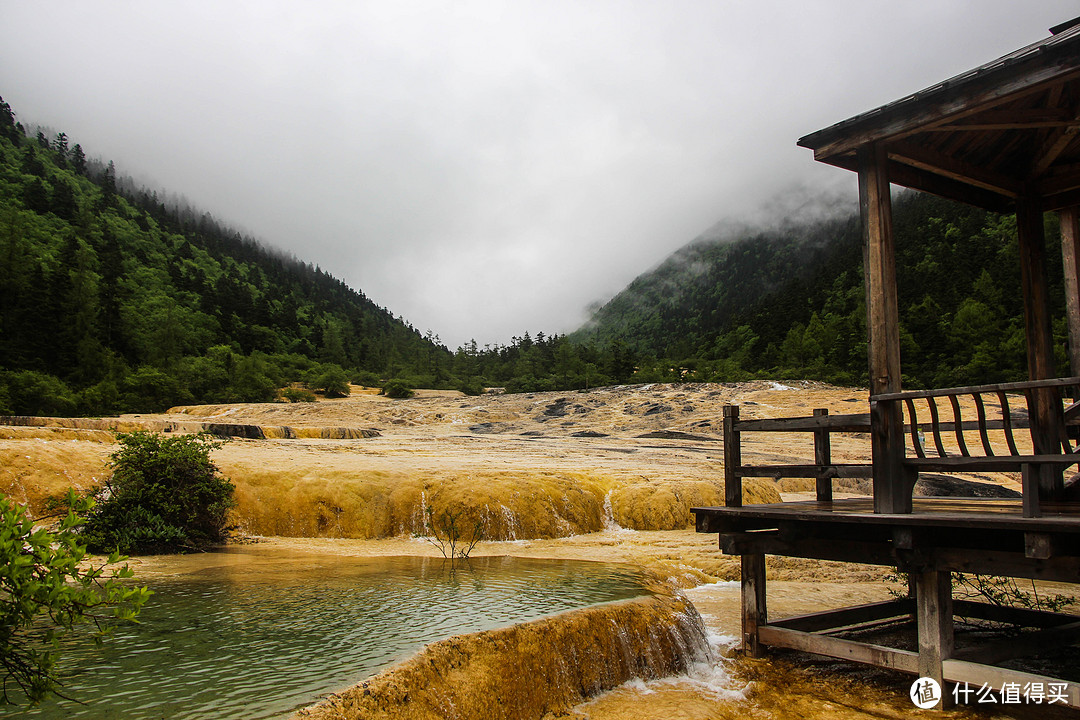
[[115, 300]]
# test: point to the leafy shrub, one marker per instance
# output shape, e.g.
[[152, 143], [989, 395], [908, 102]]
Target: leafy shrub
[[333, 382], [165, 495], [295, 395], [45, 590], [31, 392], [397, 389], [471, 386]]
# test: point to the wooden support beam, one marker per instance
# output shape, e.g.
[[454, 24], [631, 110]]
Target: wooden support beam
[[807, 471], [1047, 422], [1054, 146], [1070, 255], [891, 491], [1009, 564], [823, 459], [859, 422], [933, 601], [848, 617], [877, 655], [938, 163], [1039, 546], [998, 651], [1022, 617], [732, 458], [754, 609]]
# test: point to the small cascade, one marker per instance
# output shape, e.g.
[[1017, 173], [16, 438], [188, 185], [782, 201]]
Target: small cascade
[[511, 522], [609, 515], [532, 669]]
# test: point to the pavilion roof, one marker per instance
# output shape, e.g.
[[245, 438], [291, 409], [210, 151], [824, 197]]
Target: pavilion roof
[[1003, 130]]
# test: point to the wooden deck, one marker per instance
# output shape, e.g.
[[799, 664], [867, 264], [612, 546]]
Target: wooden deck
[[940, 536], [951, 512]]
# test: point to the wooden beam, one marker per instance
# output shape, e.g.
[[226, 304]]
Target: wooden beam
[[916, 179], [807, 471], [931, 107], [732, 458], [1070, 255], [1009, 564], [1011, 119], [891, 494], [1022, 617], [877, 655], [939, 163], [1052, 149], [933, 601], [1046, 418], [823, 458], [754, 608], [835, 423], [848, 617]]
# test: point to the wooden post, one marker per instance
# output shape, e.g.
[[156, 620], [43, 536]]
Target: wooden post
[[823, 459], [732, 458], [1070, 255], [891, 491], [933, 600], [1047, 423], [754, 610]]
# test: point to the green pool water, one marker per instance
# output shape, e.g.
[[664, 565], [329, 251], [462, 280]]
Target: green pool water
[[252, 633]]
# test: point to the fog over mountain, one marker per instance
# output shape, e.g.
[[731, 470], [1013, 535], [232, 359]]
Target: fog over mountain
[[484, 168]]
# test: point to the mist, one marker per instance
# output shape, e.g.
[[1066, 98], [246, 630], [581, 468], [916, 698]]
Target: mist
[[484, 169]]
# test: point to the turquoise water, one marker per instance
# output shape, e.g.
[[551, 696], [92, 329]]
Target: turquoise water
[[252, 633]]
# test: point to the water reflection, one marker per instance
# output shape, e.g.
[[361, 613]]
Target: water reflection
[[253, 633]]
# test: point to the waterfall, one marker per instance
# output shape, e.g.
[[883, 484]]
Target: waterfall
[[531, 669], [609, 514]]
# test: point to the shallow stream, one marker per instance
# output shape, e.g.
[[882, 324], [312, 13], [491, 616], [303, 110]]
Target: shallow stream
[[256, 633]]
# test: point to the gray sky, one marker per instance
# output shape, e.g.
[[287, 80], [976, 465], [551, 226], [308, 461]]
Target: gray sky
[[484, 168]]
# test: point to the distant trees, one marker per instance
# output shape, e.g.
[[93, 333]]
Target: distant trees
[[112, 301]]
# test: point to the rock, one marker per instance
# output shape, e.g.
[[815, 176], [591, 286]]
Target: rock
[[588, 433], [488, 428], [675, 435]]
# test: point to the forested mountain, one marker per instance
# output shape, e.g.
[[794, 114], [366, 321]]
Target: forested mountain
[[789, 302], [110, 301], [113, 301]]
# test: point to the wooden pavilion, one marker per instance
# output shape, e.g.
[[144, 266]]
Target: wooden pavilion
[[1005, 137]]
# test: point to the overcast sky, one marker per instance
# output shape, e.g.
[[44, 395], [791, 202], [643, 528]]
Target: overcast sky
[[484, 168]]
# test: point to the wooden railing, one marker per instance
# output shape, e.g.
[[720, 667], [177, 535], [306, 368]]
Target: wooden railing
[[1049, 421], [951, 449], [821, 424]]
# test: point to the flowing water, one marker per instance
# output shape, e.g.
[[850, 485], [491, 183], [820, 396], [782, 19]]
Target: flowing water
[[251, 633]]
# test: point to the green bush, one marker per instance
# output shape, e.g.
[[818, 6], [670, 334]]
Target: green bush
[[397, 389], [332, 381], [46, 588], [295, 395], [471, 386], [165, 495]]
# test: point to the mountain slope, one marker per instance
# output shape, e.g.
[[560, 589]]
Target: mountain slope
[[789, 302], [110, 301]]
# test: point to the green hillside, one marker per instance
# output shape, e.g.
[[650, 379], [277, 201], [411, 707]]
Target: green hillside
[[789, 302], [112, 302]]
